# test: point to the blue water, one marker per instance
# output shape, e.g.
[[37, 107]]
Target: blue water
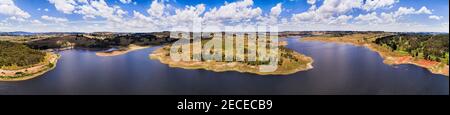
[[338, 69]]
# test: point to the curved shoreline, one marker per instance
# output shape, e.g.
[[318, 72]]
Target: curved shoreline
[[27, 76], [159, 54], [390, 58]]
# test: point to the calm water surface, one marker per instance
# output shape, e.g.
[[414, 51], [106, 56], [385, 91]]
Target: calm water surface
[[338, 69]]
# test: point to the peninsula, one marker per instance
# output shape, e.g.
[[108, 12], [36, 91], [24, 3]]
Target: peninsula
[[289, 62], [19, 62]]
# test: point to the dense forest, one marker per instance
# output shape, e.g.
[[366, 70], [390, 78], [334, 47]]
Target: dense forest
[[18, 54], [423, 46]]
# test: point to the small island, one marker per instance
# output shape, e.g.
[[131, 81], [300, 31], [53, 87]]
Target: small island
[[19, 62], [289, 62], [425, 50]]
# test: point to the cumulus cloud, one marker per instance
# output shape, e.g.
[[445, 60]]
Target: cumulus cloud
[[330, 7], [190, 12], [276, 11], [101, 9], [392, 17], [37, 22], [329, 10], [311, 1], [274, 14], [434, 17], [406, 11], [369, 18], [8, 8], [90, 9], [341, 20], [54, 19], [157, 8], [126, 1], [241, 11], [375, 4], [424, 10], [66, 6]]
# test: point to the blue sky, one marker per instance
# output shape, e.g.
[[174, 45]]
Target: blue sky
[[293, 15]]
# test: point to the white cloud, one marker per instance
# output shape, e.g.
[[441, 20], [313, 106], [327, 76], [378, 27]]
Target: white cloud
[[185, 17], [371, 18], [272, 18], [8, 8], [331, 7], [14, 18], [424, 10], [375, 4], [163, 20], [54, 19], [434, 17], [392, 17], [65, 6], [236, 12], [341, 20], [140, 21], [276, 11], [83, 1], [156, 8], [406, 11], [36, 22], [126, 1], [121, 12], [311, 2], [388, 18], [90, 8], [99, 8], [329, 10]]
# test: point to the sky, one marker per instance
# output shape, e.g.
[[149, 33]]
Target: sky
[[165, 15]]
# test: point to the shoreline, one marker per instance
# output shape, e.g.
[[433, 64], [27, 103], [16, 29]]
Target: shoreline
[[160, 54], [121, 51], [392, 58], [42, 69]]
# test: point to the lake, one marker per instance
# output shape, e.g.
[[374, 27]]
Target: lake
[[339, 69]]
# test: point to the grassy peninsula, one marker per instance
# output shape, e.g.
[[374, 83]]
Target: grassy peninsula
[[19, 62]]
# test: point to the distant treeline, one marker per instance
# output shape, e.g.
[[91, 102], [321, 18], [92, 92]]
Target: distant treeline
[[16, 54], [424, 46], [80, 41], [67, 41]]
